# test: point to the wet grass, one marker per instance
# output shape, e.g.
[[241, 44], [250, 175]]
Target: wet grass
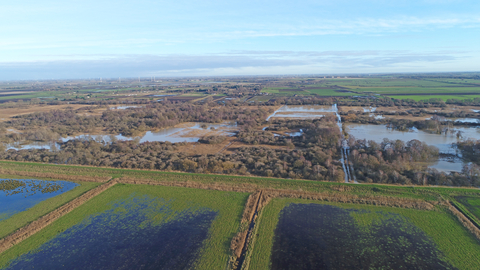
[[472, 205], [455, 244], [20, 219], [17, 195], [214, 252]]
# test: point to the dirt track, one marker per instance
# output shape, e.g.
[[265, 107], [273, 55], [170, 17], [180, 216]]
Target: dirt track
[[37, 225]]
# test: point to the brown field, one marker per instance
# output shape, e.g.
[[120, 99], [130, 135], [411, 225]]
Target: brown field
[[6, 113], [14, 93], [183, 98]]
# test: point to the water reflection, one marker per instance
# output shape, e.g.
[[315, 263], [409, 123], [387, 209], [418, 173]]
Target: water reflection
[[444, 142], [20, 198], [303, 111], [187, 132]]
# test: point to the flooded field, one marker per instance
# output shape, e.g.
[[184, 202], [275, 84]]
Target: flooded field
[[303, 111], [139, 230], [185, 132], [137, 226], [316, 236], [17, 195], [378, 132], [444, 142]]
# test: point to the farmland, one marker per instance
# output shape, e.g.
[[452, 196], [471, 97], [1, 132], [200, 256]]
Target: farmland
[[398, 88], [370, 224], [41, 208], [221, 212], [243, 173], [472, 205], [147, 208]]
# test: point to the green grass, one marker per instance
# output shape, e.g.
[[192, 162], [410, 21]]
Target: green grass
[[330, 92], [418, 90], [23, 218], [442, 97], [458, 245], [364, 190], [215, 252], [472, 205]]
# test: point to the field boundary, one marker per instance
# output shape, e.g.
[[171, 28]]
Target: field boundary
[[57, 176], [465, 220], [39, 224], [272, 193]]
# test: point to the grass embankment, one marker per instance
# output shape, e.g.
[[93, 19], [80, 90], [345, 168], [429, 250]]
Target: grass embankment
[[215, 252], [470, 207], [23, 218], [254, 183], [458, 245]]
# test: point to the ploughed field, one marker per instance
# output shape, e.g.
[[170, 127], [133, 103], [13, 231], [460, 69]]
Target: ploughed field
[[137, 226], [301, 234]]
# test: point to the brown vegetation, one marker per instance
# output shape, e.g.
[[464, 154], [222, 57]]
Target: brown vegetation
[[56, 176], [28, 109], [238, 242], [37, 225]]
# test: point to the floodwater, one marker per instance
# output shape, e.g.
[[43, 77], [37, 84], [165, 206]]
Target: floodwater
[[124, 107], [302, 111], [316, 236], [443, 142], [444, 165], [181, 133], [295, 134], [28, 196], [33, 145], [139, 232], [378, 132], [468, 120]]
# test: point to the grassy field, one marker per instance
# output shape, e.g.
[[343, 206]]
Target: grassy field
[[472, 205], [364, 190], [443, 89], [21, 219], [215, 251], [458, 245], [442, 97]]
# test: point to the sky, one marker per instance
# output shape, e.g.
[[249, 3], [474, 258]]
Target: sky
[[52, 39]]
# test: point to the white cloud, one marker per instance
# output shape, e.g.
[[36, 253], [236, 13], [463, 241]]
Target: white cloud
[[257, 62]]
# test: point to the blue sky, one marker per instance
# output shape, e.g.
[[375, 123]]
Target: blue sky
[[82, 39]]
